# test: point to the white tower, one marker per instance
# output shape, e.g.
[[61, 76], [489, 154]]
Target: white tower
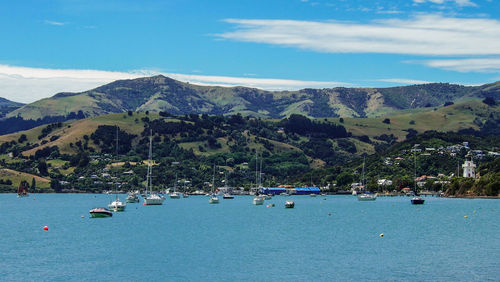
[[469, 167]]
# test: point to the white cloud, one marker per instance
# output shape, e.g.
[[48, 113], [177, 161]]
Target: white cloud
[[403, 81], [24, 84], [424, 34], [54, 23], [485, 65], [461, 3]]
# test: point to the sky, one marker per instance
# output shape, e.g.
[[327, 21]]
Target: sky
[[55, 46]]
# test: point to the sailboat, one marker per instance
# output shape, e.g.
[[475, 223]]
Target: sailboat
[[175, 195], [257, 200], [416, 200], [117, 205], [151, 198], [132, 198], [22, 189], [366, 196], [213, 198]]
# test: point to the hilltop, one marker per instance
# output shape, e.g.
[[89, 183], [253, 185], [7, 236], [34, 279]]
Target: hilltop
[[160, 93], [7, 106]]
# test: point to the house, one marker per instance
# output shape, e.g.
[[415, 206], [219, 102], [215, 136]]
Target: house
[[384, 182]]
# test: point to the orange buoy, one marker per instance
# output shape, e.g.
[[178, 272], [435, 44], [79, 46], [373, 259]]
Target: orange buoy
[[46, 228]]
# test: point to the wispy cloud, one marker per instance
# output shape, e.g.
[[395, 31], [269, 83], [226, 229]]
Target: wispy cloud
[[484, 65], [24, 84], [461, 3], [424, 34], [403, 81], [54, 23]]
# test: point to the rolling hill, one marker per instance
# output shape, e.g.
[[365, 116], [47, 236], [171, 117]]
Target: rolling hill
[[7, 106], [160, 93]]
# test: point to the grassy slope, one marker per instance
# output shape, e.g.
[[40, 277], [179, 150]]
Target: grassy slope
[[16, 177], [451, 118]]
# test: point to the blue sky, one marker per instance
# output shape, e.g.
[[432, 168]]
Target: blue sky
[[73, 45]]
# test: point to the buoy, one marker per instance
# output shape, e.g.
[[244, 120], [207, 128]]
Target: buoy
[[466, 216], [46, 228], [381, 235], [329, 213], [82, 216]]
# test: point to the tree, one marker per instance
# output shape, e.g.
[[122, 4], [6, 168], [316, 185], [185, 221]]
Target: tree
[[42, 168], [387, 121], [489, 101], [33, 184]]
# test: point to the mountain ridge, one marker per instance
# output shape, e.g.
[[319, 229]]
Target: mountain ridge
[[161, 93]]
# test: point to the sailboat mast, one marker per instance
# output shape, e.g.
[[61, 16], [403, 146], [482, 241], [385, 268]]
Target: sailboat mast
[[415, 171], [213, 180], [148, 182]]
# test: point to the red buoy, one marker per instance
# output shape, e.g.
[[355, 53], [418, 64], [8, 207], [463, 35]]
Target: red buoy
[[46, 228]]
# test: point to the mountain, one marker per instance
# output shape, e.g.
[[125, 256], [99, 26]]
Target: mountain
[[7, 106], [160, 93]]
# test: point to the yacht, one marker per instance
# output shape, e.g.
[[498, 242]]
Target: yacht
[[117, 205], [213, 197], [175, 195], [258, 200], [151, 198], [132, 198], [416, 199]]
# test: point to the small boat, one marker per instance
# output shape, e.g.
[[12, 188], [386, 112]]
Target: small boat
[[417, 200], [258, 200], [289, 204], [100, 212], [354, 193], [185, 195], [117, 205], [22, 189], [132, 198], [151, 199], [284, 194], [228, 196], [367, 197], [267, 197], [175, 195], [213, 199], [312, 195]]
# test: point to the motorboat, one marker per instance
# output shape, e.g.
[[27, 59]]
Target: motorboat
[[228, 196], [289, 204], [117, 205], [417, 200], [367, 197], [175, 195], [100, 212], [313, 195]]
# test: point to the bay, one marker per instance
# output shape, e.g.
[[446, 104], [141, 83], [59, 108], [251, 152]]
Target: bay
[[322, 239]]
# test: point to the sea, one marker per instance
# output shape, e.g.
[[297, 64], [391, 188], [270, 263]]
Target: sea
[[324, 238]]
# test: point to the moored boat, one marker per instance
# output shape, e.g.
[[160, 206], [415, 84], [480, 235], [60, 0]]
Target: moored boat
[[100, 212], [132, 198], [22, 189], [367, 197], [417, 200], [151, 199], [289, 204], [258, 200], [228, 196], [117, 205]]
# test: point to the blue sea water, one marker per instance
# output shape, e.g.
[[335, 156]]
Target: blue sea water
[[322, 239]]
